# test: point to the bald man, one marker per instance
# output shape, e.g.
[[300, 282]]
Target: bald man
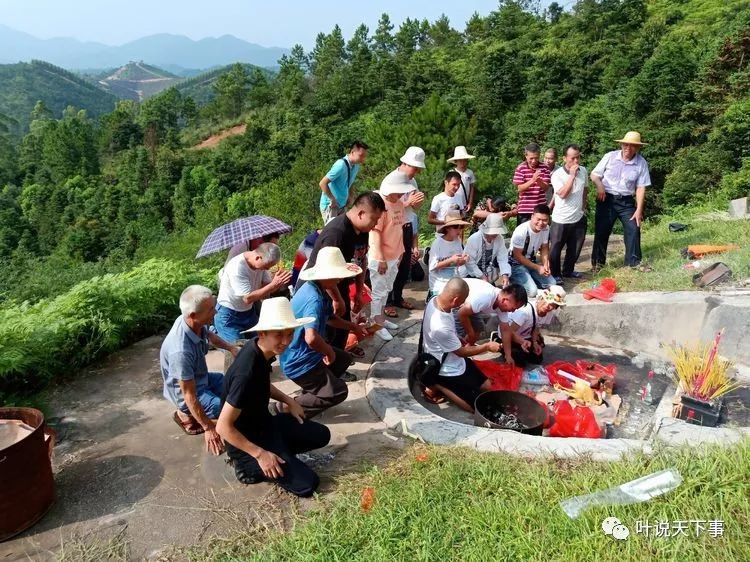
[[459, 379]]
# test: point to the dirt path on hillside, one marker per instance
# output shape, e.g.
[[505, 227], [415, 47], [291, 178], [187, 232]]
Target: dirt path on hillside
[[214, 140]]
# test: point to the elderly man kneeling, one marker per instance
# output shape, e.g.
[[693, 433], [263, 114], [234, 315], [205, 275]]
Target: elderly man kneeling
[[188, 385], [262, 446]]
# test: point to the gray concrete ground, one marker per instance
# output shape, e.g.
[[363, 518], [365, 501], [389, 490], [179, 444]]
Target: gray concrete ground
[[123, 467]]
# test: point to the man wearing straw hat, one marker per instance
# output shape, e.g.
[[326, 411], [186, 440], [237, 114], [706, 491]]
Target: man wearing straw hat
[[465, 195], [310, 361], [261, 446], [621, 179], [447, 252], [387, 248], [524, 336], [487, 254]]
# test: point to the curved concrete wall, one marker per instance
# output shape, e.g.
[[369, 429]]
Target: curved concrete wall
[[643, 322]]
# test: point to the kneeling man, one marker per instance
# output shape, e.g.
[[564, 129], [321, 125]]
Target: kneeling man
[[527, 342], [459, 379], [262, 446]]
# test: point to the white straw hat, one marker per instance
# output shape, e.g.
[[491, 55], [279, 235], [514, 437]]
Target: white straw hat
[[493, 224], [276, 314], [414, 156], [330, 264], [632, 137], [396, 182], [459, 153], [555, 294]]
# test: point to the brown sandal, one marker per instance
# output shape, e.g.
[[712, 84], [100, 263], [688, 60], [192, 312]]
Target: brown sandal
[[405, 305], [390, 312], [191, 426], [433, 396]]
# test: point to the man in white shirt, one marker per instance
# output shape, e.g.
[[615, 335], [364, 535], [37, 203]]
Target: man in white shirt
[[527, 343], [530, 238], [487, 254], [244, 281], [445, 202], [446, 252], [466, 193], [621, 179], [568, 228], [458, 379], [486, 307]]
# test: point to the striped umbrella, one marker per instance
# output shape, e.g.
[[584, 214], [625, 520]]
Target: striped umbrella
[[241, 230]]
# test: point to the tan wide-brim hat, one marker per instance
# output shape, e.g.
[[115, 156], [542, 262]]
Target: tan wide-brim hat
[[396, 182], [276, 314], [414, 156], [452, 218], [632, 137], [493, 224], [330, 264], [459, 153]]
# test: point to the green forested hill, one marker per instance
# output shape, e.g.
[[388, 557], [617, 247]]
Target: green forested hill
[[107, 189], [137, 81], [201, 88], [23, 84]]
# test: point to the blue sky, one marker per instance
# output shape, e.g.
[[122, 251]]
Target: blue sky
[[279, 23]]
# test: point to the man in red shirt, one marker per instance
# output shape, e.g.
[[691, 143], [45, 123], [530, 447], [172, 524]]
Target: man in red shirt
[[532, 180]]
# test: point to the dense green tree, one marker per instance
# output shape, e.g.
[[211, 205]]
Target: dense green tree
[[231, 91]]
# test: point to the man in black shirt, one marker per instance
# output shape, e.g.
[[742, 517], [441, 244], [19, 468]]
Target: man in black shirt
[[262, 446], [350, 233]]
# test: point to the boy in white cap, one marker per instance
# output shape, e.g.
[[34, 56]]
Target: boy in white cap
[[387, 248], [487, 254], [465, 195], [311, 362], [262, 446], [525, 323]]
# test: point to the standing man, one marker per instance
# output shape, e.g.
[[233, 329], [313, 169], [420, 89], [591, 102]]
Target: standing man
[[350, 233], [621, 179], [568, 229], [194, 391], [465, 195], [412, 164], [244, 281], [337, 183], [532, 179]]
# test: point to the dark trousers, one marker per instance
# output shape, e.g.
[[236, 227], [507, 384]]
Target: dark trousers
[[322, 386], [607, 212], [522, 218], [523, 358], [286, 437], [569, 237], [396, 296]]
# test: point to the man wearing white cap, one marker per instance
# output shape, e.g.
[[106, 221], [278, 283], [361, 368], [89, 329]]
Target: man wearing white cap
[[387, 248], [311, 362], [261, 446], [465, 195], [412, 164], [527, 342], [621, 179], [487, 254]]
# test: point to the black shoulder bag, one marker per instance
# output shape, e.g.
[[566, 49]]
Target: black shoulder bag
[[425, 366]]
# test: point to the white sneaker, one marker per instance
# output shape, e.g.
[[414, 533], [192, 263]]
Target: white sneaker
[[390, 325], [384, 334]]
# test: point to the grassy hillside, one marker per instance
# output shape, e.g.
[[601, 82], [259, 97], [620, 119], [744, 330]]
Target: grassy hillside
[[23, 84]]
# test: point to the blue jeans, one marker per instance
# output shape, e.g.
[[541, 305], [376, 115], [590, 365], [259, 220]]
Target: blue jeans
[[530, 280], [209, 395], [616, 207], [229, 323]]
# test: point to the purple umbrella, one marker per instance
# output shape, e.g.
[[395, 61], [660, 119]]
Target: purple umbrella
[[241, 230]]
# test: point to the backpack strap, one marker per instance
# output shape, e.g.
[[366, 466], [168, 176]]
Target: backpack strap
[[348, 173]]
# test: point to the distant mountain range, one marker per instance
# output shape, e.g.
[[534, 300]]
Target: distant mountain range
[[163, 50]]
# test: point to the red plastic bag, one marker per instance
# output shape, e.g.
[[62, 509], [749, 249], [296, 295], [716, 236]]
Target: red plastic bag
[[574, 422], [604, 291], [553, 371], [502, 375]]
